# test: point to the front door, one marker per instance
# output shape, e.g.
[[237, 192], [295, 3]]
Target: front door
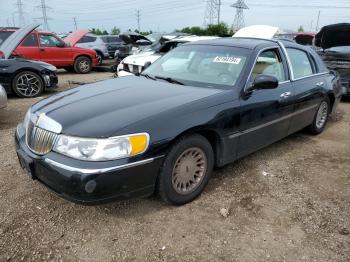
[[265, 114], [51, 53]]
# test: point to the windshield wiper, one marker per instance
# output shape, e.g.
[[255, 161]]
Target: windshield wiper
[[170, 80], [148, 76]]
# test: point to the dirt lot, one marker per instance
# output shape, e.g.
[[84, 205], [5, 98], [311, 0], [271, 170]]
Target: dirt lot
[[288, 202]]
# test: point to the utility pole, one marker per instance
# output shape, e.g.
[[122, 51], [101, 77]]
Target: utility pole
[[75, 23], [318, 19], [13, 19], [212, 12], [238, 22], [138, 18], [21, 21], [45, 18]]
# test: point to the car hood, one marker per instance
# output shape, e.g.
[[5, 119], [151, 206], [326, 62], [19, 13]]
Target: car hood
[[333, 35], [74, 37], [132, 38], [104, 108], [142, 58], [16, 38]]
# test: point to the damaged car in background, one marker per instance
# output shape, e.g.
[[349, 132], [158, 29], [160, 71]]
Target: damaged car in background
[[48, 47], [25, 78], [203, 104], [334, 41], [135, 64], [134, 43]]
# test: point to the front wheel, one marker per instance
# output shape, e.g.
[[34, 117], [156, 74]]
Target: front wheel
[[186, 170], [27, 84], [320, 118], [82, 65]]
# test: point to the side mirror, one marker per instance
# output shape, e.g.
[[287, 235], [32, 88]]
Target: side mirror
[[147, 64], [60, 44], [263, 82]]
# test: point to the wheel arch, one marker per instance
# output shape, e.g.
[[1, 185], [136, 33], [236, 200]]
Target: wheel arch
[[211, 135], [27, 69]]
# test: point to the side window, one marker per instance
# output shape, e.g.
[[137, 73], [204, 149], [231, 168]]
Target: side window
[[301, 63], [87, 39], [48, 40], [269, 62], [31, 40]]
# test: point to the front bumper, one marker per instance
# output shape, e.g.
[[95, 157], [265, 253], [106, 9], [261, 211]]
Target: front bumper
[[50, 79], [87, 182], [3, 97]]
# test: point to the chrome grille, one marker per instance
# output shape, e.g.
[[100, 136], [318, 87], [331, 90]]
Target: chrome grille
[[39, 140]]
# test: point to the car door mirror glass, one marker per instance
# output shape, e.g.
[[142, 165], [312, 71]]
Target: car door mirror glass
[[263, 82]]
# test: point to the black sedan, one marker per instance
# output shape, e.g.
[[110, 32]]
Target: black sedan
[[202, 105], [26, 78]]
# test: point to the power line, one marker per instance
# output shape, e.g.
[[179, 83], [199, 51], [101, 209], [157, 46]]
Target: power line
[[20, 13], [238, 22], [75, 23], [45, 18], [212, 12], [138, 18]]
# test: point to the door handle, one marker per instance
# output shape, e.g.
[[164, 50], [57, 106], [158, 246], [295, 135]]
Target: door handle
[[285, 95], [320, 84], [42, 49]]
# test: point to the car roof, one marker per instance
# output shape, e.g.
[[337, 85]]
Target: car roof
[[243, 42]]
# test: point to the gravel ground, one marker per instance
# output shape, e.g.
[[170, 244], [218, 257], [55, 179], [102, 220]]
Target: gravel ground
[[287, 202]]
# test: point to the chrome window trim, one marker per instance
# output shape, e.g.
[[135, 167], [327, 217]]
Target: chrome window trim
[[252, 68], [290, 64], [87, 171]]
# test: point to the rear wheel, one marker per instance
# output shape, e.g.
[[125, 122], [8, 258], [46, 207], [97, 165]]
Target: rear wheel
[[186, 170], [82, 65], [27, 84], [321, 118]]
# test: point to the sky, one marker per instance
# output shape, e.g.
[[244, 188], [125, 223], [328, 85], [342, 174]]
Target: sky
[[165, 16]]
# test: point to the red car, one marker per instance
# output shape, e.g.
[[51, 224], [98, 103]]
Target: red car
[[49, 48]]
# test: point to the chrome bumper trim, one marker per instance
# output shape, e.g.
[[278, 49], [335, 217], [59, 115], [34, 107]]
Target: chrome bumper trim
[[99, 170]]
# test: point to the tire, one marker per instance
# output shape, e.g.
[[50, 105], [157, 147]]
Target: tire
[[27, 84], [99, 58], [82, 65], [188, 156], [321, 117]]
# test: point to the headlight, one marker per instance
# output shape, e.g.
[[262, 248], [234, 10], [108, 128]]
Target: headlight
[[90, 149]]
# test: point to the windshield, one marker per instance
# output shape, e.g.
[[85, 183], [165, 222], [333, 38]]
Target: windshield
[[339, 49], [202, 65]]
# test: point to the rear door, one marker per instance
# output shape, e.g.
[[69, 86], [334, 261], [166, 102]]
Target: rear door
[[29, 48], [265, 114], [51, 53], [308, 84]]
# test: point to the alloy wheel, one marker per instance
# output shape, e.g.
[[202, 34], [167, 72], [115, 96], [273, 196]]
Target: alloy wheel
[[28, 85], [322, 114], [189, 170], [84, 66]]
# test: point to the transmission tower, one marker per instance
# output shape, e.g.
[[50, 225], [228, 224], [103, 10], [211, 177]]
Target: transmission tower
[[45, 18], [138, 19], [238, 23], [20, 13], [212, 12]]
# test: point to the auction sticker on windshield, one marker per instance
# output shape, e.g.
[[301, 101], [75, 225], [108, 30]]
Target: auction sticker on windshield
[[227, 60]]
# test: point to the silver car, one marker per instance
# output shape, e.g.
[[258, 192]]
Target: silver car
[[94, 42], [3, 97]]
